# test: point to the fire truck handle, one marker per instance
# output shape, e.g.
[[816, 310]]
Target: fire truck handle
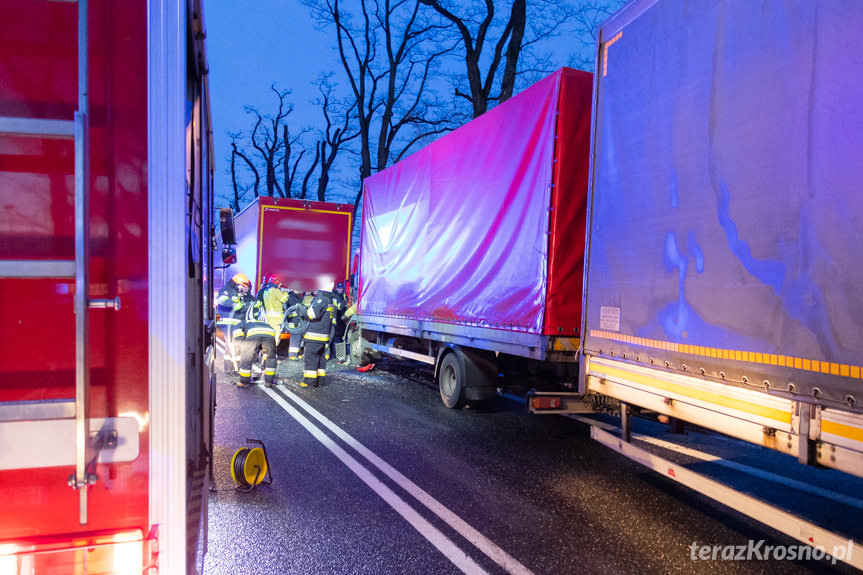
[[106, 303]]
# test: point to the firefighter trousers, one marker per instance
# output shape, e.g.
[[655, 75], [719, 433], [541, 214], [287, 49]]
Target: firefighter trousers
[[233, 346], [294, 345], [314, 363], [250, 347]]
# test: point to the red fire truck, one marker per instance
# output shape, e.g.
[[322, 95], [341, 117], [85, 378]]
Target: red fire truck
[[105, 279]]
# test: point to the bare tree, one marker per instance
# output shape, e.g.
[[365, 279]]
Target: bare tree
[[388, 54], [238, 188], [523, 26], [267, 141], [290, 171], [305, 188], [332, 137], [587, 17]]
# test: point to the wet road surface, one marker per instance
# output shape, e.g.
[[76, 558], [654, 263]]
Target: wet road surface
[[372, 474]]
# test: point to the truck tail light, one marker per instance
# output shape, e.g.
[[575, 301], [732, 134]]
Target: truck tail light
[[546, 402]]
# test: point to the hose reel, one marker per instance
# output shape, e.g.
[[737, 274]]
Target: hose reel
[[297, 324], [250, 466]]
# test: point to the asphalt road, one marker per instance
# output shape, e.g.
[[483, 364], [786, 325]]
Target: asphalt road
[[372, 474]]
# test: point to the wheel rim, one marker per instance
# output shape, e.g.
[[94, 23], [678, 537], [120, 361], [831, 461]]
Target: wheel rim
[[448, 380]]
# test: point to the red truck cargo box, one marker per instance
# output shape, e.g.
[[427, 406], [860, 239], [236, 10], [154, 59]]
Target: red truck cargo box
[[486, 225], [297, 240]]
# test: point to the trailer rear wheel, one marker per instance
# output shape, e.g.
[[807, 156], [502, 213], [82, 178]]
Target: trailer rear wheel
[[451, 381]]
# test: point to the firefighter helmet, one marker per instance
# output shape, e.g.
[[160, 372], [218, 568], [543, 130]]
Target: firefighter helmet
[[272, 279], [242, 279]]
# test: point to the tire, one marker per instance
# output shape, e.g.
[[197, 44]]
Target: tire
[[451, 379], [360, 353], [355, 344]]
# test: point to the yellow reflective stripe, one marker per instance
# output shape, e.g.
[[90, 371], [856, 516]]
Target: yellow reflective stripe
[[311, 313], [814, 365], [317, 336], [269, 372], [230, 321], [245, 372], [564, 343], [310, 373], [239, 333], [842, 430], [710, 397], [260, 331], [322, 373]]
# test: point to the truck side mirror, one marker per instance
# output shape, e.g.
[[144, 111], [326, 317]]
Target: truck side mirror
[[226, 224]]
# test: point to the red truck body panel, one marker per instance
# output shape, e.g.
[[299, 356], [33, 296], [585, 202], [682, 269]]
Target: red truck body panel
[[485, 226], [139, 377], [38, 79], [297, 240]]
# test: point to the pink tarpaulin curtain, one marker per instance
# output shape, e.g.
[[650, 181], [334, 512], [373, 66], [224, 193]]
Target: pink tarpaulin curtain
[[458, 231]]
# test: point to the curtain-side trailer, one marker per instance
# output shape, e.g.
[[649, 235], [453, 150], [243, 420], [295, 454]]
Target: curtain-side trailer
[[723, 283], [105, 273], [471, 254]]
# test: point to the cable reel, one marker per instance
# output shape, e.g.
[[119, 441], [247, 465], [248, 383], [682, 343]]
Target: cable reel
[[250, 466], [297, 324]]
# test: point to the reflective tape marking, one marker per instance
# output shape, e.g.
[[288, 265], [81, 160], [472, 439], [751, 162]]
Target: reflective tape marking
[[841, 430], [714, 398], [843, 370]]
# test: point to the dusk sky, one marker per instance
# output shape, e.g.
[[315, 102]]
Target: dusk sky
[[252, 45]]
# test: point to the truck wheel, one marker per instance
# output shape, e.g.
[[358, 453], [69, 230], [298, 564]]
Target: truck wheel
[[355, 346], [451, 381]]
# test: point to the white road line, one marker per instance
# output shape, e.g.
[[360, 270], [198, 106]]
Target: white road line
[[443, 544], [754, 471], [479, 540]]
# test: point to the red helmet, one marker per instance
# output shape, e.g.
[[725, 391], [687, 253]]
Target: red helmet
[[272, 279]]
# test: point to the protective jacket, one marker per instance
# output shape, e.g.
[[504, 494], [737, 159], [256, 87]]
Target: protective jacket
[[272, 299], [321, 317], [231, 303]]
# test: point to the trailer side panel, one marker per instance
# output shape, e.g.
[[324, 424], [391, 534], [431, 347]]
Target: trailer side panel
[[725, 225]]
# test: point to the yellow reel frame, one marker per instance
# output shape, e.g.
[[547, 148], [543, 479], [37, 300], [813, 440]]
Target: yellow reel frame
[[250, 466]]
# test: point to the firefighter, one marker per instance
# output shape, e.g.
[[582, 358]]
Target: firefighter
[[350, 312], [231, 303], [340, 305], [317, 337], [294, 297], [272, 299], [258, 335]]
